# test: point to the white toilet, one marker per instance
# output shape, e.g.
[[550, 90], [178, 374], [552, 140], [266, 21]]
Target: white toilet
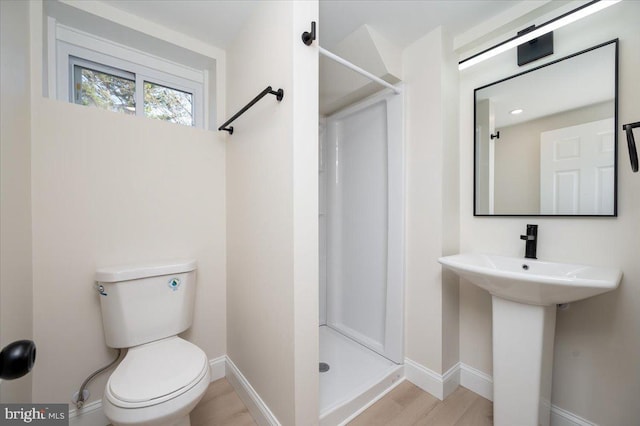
[[162, 377]]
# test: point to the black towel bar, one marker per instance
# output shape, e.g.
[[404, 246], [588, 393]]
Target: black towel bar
[[268, 91]]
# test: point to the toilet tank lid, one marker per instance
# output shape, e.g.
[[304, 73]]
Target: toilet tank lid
[[131, 272]]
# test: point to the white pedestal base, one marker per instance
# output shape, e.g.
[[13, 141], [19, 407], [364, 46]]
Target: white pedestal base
[[522, 363]]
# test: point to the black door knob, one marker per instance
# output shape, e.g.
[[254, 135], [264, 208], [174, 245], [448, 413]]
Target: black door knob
[[17, 359]]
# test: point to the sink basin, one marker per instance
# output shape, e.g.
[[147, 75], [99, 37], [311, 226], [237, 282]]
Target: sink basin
[[524, 294], [530, 281]]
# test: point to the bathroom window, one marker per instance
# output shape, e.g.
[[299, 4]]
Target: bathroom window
[[168, 104], [103, 87], [102, 74], [114, 89]]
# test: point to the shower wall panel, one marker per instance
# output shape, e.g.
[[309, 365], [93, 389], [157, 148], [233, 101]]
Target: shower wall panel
[[363, 170], [322, 220], [358, 225]]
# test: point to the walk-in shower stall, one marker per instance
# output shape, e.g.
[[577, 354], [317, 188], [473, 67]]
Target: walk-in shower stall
[[361, 254]]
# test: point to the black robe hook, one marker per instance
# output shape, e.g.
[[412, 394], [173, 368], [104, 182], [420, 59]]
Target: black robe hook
[[631, 143], [308, 37]]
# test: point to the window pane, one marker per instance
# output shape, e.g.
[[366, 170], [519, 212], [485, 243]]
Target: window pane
[[165, 103], [107, 91]]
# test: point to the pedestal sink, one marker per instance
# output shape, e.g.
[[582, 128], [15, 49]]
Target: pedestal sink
[[524, 294]]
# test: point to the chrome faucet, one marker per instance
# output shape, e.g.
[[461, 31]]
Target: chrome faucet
[[532, 240]]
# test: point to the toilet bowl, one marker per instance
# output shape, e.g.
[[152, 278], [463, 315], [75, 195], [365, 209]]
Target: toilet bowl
[[157, 383], [162, 377]]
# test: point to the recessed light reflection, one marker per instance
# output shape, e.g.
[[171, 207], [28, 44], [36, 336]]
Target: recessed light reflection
[[516, 111]]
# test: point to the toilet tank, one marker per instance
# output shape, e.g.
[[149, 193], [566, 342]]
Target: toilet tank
[[148, 302]]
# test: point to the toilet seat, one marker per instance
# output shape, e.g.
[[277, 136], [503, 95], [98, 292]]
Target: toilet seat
[[156, 372]]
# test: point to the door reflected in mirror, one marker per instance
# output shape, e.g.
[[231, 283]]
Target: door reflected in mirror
[[546, 141]]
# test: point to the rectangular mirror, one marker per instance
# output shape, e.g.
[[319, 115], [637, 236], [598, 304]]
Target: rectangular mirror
[[546, 141]]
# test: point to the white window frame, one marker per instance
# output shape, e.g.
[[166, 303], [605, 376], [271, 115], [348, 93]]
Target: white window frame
[[83, 63], [74, 47]]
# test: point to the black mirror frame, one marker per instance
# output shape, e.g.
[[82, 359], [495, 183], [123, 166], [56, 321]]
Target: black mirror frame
[[615, 181]]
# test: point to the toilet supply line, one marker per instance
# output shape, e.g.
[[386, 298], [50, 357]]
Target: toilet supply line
[[80, 397]]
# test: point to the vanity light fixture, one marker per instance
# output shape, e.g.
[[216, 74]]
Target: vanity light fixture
[[516, 111], [562, 20]]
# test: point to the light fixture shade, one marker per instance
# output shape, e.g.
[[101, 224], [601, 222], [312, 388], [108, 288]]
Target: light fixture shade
[[562, 20], [536, 48]]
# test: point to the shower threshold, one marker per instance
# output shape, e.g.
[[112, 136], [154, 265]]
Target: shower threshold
[[357, 378]]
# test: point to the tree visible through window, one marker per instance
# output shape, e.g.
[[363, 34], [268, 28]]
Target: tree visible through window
[[107, 91], [115, 90], [165, 103]]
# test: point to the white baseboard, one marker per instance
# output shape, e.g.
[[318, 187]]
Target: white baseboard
[[438, 385], [562, 417], [256, 406], [92, 415], [482, 384], [451, 380], [218, 367], [476, 381]]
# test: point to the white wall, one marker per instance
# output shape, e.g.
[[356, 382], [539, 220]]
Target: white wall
[[110, 189], [15, 179], [272, 196], [94, 188], [597, 346], [431, 299], [322, 218], [305, 215]]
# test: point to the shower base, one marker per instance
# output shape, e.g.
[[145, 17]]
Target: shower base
[[357, 377]]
